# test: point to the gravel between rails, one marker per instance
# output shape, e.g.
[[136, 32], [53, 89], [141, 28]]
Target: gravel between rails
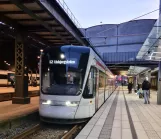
[[50, 131], [10, 133]]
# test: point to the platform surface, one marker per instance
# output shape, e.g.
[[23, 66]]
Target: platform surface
[[10, 111], [11, 90], [125, 116]]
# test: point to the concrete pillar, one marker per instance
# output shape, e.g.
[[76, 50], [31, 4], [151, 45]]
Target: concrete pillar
[[159, 85], [21, 72]]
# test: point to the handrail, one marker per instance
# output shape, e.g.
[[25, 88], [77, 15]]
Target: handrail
[[69, 13], [72, 17]]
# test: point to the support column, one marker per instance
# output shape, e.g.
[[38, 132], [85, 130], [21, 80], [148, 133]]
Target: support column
[[135, 82], [149, 75], [138, 79], [21, 72], [159, 85]]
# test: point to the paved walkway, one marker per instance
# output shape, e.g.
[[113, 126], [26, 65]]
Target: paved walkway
[[125, 116], [11, 90], [10, 111]]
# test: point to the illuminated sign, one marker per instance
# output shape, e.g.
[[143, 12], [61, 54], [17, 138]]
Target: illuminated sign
[[51, 62], [62, 62]]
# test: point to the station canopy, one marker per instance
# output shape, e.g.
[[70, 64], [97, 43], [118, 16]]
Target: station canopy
[[44, 22], [134, 70], [151, 49]]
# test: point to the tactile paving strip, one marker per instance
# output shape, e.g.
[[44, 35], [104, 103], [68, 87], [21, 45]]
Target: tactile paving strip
[[152, 135], [146, 125], [133, 131], [107, 127]]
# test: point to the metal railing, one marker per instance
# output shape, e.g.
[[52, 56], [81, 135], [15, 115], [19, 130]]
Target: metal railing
[[72, 17], [69, 13]]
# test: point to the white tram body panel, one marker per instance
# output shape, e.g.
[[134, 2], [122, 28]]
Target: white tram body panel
[[96, 85]]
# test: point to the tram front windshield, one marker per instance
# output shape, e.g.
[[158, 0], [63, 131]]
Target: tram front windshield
[[63, 70]]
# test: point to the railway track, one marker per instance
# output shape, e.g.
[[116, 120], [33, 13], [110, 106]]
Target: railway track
[[51, 131]]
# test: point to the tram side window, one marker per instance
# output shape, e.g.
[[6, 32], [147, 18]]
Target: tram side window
[[106, 84], [101, 82], [88, 91]]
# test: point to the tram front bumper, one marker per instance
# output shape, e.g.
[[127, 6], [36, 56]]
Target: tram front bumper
[[66, 111]]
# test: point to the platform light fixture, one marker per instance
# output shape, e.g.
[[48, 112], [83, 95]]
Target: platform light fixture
[[2, 23], [41, 50]]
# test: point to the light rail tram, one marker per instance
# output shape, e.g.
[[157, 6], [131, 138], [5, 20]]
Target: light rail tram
[[74, 84]]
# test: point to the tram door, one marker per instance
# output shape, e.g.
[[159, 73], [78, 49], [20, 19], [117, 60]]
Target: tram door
[[95, 89]]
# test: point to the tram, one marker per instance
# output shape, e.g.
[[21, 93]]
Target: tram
[[74, 84]]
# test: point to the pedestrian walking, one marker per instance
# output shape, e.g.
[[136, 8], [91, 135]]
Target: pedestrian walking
[[130, 87], [146, 90]]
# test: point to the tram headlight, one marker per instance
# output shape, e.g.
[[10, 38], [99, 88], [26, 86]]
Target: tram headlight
[[46, 102], [59, 103], [71, 103]]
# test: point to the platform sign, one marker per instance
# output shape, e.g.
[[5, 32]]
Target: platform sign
[[11, 77]]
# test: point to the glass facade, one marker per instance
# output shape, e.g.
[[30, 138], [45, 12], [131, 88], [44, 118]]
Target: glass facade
[[152, 45]]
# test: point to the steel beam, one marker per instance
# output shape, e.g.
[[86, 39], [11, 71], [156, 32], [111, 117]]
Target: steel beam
[[33, 15], [21, 12], [15, 25], [8, 2], [21, 73], [60, 15]]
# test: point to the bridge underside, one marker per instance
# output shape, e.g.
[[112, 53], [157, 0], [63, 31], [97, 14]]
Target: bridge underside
[[117, 67], [42, 21]]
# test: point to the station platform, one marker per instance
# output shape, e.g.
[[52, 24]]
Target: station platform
[[10, 111], [11, 90], [6, 93], [125, 116]]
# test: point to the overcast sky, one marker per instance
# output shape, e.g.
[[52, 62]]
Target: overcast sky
[[92, 12]]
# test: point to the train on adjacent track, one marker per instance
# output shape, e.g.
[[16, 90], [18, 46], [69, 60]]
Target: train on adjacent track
[[5, 76], [75, 82]]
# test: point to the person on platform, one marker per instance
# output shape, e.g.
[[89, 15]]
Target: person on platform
[[12, 83], [146, 90], [122, 84], [130, 87]]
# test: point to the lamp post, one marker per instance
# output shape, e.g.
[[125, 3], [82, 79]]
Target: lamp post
[[7, 64]]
